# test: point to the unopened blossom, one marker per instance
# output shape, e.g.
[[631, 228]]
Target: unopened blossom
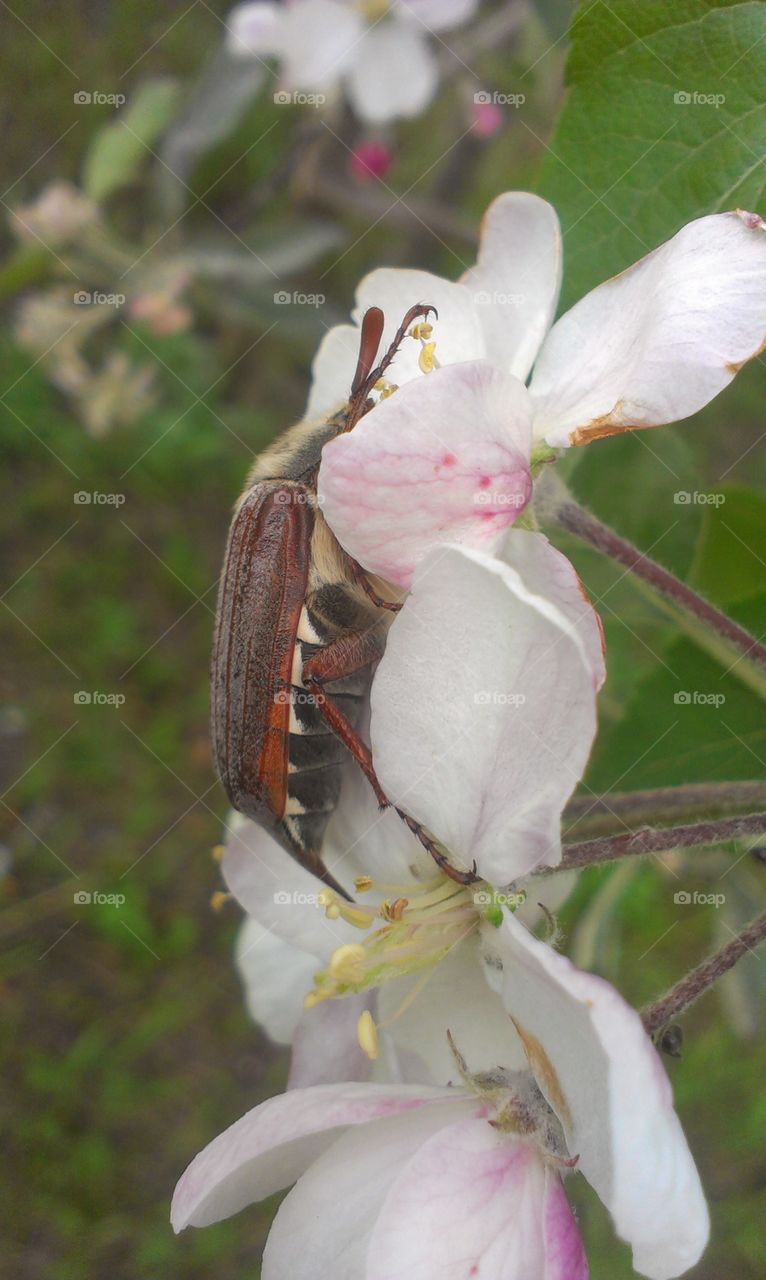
[[460, 1182], [370, 160], [379, 51]]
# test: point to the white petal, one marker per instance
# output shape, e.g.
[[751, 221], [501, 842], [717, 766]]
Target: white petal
[[333, 370], [435, 15], [454, 997], [362, 839], [601, 1074], [393, 73], [279, 892], [320, 40], [326, 1048], [457, 332], [270, 1146], [322, 1229], [483, 712], [276, 976], [254, 29], [655, 344], [473, 1202], [445, 459], [515, 283]]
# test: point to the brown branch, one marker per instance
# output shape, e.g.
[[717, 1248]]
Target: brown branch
[[663, 804], [586, 853], [657, 1015]]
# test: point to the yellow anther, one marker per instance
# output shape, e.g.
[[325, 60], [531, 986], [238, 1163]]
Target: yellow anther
[[367, 1035], [427, 361], [357, 917], [385, 388], [218, 851], [393, 911], [218, 899], [312, 999], [421, 331], [363, 883], [331, 903], [347, 963]]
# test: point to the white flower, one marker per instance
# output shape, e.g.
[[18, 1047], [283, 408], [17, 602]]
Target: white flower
[[378, 49], [452, 1183], [651, 346]]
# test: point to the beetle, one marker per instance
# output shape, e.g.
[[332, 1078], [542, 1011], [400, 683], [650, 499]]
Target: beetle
[[296, 613]]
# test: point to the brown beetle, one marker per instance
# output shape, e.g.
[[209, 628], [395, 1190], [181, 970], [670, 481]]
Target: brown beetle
[[296, 613]]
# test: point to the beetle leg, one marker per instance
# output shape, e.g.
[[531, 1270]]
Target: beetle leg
[[342, 657], [364, 582]]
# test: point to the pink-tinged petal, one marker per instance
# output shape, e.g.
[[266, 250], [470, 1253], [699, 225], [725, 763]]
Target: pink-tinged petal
[[269, 1147], [445, 459], [484, 711], [515, 283], [457, 332], [325, 1047], [471, 1204], [603, 1077], [564, 1250], [276, 976], [656, 343], [322, 1229], [435, 15], [254, 30], [455, 998], [279, 892], [393, 74]]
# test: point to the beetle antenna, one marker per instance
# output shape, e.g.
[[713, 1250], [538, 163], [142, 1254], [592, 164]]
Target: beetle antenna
[[365, 381]]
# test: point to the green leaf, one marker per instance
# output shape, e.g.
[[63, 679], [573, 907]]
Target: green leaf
[[731, 557], [636, 155], [120, 149]]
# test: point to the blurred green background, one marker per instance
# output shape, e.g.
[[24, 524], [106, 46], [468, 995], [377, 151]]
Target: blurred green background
[[125, 1042]]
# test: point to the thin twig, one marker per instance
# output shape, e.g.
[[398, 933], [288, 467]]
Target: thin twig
[[586, 853], [601, 814], [690, 988]]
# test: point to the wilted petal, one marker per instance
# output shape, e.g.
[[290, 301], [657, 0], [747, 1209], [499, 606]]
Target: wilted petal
[[270, 1146], [603, 1077], [276, 976], [515, 283], [393, 73], [474, 1202], [656, 343], [445, 459], [484, 711], [323, 1227]]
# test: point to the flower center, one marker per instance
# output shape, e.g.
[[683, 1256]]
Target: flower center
[[409, 932]]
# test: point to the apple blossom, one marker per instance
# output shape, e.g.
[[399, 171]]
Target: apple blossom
[[460, 1182], [378, 49]]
